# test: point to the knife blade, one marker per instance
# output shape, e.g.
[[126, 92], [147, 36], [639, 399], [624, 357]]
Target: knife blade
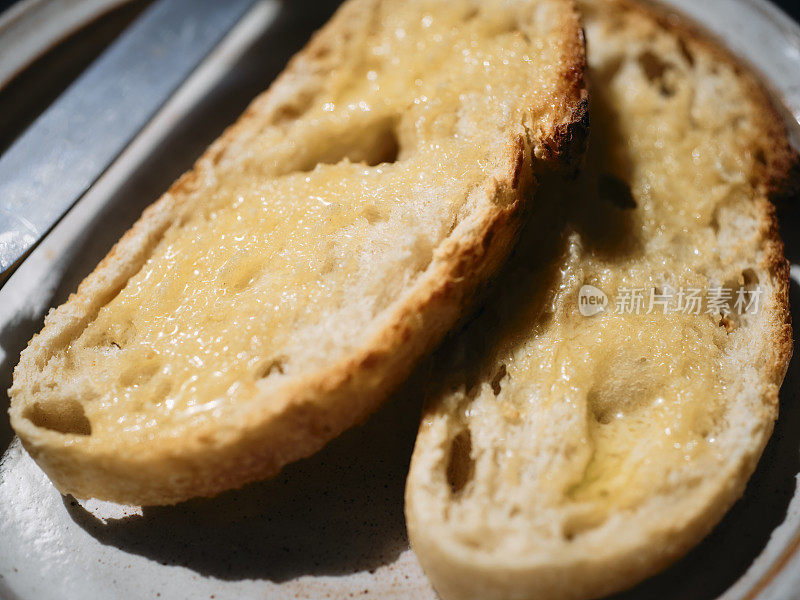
[[57, 159]]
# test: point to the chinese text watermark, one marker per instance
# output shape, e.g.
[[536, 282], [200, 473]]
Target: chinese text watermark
[[683, 300]]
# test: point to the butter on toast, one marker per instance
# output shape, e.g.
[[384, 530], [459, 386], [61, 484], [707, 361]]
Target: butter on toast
[[279, 291], [570, 456]]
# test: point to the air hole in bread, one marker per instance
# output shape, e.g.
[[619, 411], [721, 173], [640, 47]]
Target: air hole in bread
[[739, 300], [652, 66], [460, 466], [239, 272], [373, 214], [297, 106], [505, 26], [750, 279], [271, 367], [731, 215], [580, 523], [372, 144], [655, 70], [623, 386], [666, 89], [382, 149], [498, 377], [139, 373], [728, 323], [685, 52], [63, 416], [97, 338], [320, 51], [760, 157], [287, 112], [616, 191]]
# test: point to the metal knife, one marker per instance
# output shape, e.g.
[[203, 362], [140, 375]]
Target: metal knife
[[58, 158]]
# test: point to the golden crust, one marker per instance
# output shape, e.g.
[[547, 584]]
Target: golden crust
[[779, 167], [306, 414], [458, 574]]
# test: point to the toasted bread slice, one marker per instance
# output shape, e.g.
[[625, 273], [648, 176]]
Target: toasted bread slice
[[278, 291], [570, 456]]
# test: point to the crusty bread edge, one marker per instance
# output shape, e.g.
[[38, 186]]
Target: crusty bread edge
[[598, 576], [303, 416], [777, 179], [780, 172]]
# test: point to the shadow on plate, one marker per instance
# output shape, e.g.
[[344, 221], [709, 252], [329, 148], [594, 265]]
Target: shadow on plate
[[342, 510], [338, 512]]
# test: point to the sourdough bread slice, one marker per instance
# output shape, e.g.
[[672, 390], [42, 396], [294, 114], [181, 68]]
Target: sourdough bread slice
[[279, 290], [570, 456]]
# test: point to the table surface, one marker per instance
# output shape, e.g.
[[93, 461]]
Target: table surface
[[792, 7], [265, 538]]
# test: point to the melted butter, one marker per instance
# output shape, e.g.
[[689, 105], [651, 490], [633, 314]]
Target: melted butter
[[648, 392], [607, 410], [635, 397], [653, 399], [294, 232]]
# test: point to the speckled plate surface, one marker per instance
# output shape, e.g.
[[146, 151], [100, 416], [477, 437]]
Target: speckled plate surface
[[330, 526]]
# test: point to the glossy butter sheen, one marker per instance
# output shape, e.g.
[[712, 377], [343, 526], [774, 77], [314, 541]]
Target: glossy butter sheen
[[269, 252], [637, 397]]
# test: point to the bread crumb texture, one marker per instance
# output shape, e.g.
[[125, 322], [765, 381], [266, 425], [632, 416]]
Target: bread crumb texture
[[569, 456], [397, 147]]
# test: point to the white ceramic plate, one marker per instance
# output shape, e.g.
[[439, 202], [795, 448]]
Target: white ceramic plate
[[330, 526], [30, 28]]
